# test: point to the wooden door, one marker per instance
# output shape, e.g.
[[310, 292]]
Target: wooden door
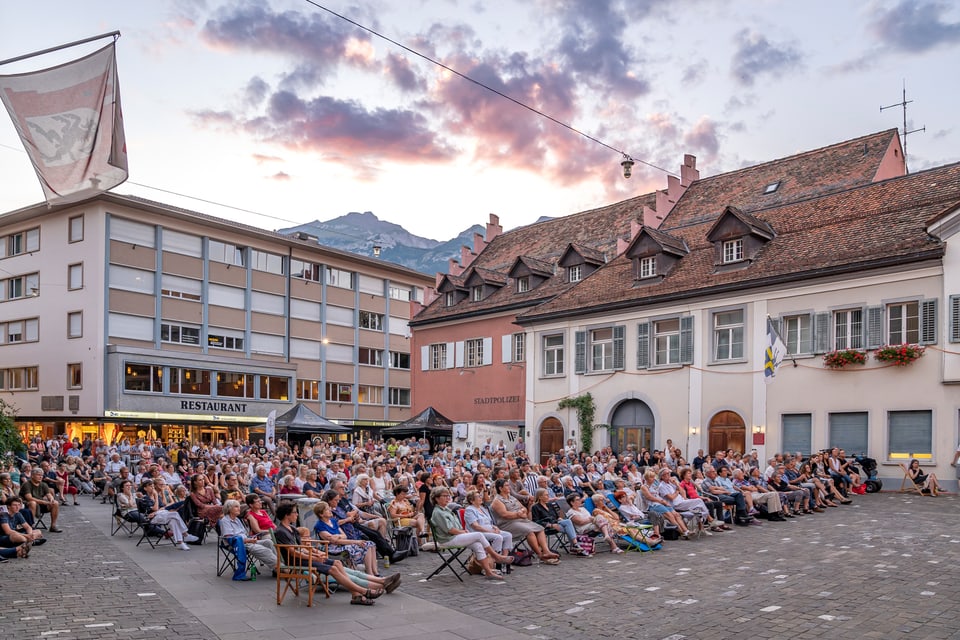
[[727, 431], [551, 438]]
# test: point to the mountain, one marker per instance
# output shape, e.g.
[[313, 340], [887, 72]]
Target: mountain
[[359, 232]]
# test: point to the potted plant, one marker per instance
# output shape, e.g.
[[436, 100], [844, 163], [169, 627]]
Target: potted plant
[[842, 357], [899, 354]]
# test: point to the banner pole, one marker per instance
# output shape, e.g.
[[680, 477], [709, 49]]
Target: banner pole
[[113, 34]]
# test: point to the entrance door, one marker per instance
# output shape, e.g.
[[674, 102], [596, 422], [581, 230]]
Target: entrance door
[[631, 428], [551, 438], [727, 431]]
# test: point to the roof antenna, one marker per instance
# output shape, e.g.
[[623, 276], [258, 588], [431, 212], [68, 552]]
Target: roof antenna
[[903, 104]]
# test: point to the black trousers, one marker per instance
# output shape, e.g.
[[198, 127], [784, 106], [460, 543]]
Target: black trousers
[[384, 548]]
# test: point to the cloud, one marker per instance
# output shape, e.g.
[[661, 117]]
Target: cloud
[[755, 56], [914, 26], [280, 176], [399, 69], [703, 136], [694, 73], [260, 158], [255, 92]]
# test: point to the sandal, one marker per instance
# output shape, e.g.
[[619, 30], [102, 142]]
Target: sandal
[[23, 551], [493, 575], [373, 595], [362, 600]]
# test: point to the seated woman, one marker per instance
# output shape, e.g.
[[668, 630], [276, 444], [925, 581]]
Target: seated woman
[[630, 514], [478, 519], [927, 482], [67, 487], [449, 532], [548, 515], [511, 516], [402, 512], [820, 470], [244, 543], [585, 522], [659, 506], [158, 515], [288, 486], [258, 518], [312, 488], [363, 587], [363, 553], [822, 492], [363, 496], [205, 499], [127, 506]]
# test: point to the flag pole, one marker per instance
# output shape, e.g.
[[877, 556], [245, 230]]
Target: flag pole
[[793, 358], [113, 34]]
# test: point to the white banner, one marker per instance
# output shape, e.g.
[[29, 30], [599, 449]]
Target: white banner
[[69, 120], [271, 430]]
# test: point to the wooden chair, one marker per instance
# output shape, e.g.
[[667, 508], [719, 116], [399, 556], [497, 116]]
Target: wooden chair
[[907, 485], [295, 571]]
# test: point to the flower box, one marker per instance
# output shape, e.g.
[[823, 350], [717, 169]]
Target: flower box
[[899, 354], [842, 357]]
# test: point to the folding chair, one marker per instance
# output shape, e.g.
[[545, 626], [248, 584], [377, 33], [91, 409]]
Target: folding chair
[[596, 535], [448, 555], [227, 557], [907, 485], [295, 572], [38, 522], [118, 523]]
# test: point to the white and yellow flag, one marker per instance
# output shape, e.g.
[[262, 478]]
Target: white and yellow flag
[[773, 353], [70, 122]]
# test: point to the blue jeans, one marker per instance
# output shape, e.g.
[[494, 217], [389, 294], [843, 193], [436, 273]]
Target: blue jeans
[[239, 550]]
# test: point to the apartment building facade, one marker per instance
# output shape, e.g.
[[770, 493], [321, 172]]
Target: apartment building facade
[[121, 315]]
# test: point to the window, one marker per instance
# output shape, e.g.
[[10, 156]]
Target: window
[[400, 293], [476, 293], [903, 323], [274, 387], [797, 336], [121, 325], [18, 331], [523, 284], [848, 329], [910, 435], [305, 270], [438, 356], [575, 273], [183, 288], [179, 334], [224, 296], [449, 299], [373, 357], [728, 335], [135, 233], [182, 243], [21, 242], [129, 279], [848, 431], [666, 341], [226, 253], [601, 349], [796, 433], [267, 262], [519, 347], [399, 397], [75, 229], [266, 343], [75, 324], [190, 381], [339, 278], [20, 378], [648, 267], [369, 284], [147, 378], [235, 385], [399, 360], [473, 352], [553, 355], [339, 315], [308, 389], [339, 392], [267, 303], [75, 375], [74, 277], [771, 188], [367, 394], [732, 250], [371, 321], [20, 287], [229, 339]]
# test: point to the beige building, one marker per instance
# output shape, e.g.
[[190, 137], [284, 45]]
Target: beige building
[[122, 315]]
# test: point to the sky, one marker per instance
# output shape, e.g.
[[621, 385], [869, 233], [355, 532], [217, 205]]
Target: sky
[[292, 114]]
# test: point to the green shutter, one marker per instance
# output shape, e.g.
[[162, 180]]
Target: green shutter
[[873, 321], [619, 338], [686, 340], [580, 352], [928, 321], [643, 345], [821, 332]]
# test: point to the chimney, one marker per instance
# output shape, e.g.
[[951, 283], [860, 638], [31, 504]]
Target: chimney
[[466, 256], [622, 245], [650, 218], [493, 228], [453, 267], [478, 243], [688, 170]]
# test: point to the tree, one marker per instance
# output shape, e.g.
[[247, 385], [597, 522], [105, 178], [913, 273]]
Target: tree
[[11, 444]]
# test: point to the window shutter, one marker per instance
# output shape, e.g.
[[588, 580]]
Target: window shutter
[[424, 358], [821, 332], [686, 340], [928, 321], [806, 344], [643, 345], [506, 348], [954, 318], [450, 355], [487, 351], [874, 327], [457, 354], [580, 352], [619, 337]]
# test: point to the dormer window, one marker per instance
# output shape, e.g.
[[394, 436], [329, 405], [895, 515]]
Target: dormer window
[[732, 251], [450, 299], [476, 293], [771, 188], [523, 284], [575, 273], [648, 267]]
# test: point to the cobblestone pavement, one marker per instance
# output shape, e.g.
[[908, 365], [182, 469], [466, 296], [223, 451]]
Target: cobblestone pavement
[[886, 567]]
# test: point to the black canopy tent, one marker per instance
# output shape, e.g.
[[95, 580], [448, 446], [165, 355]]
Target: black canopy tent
[[304, 422], [429, 423]]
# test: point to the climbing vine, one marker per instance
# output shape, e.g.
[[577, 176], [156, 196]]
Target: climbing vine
[[586, 410]]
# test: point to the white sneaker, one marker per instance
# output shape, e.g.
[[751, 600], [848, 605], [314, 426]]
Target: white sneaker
[[183, 546], [190, 538]]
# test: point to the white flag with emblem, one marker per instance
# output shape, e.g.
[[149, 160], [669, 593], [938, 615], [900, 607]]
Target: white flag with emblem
[[69, 120]]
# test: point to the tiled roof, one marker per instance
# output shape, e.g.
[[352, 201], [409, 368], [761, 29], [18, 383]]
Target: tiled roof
[[544, 242], [858, 228], [488, 276], [753, 223], [589, 254], [540, 267], [672, 243], [805, 175]]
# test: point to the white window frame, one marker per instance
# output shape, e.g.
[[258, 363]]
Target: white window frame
[[900, 317], [399, 397], [180, 334], [732, 251], [553, 355], [226, 253], [395, 360], [523, 284], [71, 334], [848, 328], [308, 389], [400, 293], [339, 278], [438, 356], [305, 270], [734, 333], [797, 334], [335, 392], [449, 299], [72, 368], [75, 234], [476, 293], [376, 355], [519, 347], [600, 357], [575, 273], [267, 262], [666, 341], [648, 267], [369, 394], [371, 321], [473, 352]]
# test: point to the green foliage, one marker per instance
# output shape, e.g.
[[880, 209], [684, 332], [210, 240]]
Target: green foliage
[[10, 441], [586, 410]]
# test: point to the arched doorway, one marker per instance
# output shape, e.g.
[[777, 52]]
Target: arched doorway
[[551, 438], [631, 427], [727, 431]]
